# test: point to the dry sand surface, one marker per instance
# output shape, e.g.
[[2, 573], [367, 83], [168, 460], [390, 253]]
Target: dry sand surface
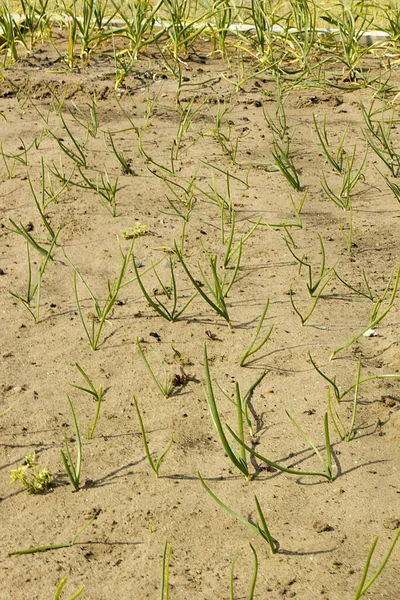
[[323, 530]]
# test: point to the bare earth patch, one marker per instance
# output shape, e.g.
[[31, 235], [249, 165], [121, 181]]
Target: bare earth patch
[[324, 530]]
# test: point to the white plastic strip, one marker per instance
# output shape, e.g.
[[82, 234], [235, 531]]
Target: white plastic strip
[[367, 38]]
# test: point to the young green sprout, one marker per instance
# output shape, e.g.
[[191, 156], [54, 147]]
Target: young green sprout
[[363, 587], [73, 470], [55, 546], [216, 298], [376, 316], [240, 461], [98, 396], [261, 530], [164, 588], [254, 578], [154, 465], [255, 346], [61, 587], [99, 317]]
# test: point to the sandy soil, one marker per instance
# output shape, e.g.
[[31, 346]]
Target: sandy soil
[[324, 530]]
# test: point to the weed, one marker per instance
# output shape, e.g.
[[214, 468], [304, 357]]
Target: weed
[[35, 480]]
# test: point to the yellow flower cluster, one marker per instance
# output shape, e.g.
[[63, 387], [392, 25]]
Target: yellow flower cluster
[[137, 231]]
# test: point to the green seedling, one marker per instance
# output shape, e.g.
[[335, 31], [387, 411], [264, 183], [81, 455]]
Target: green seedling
[[351, 26], [35, 289], [263, 17], [223, 136], [379, 140], [182, 204], [97, 395], [345, 434], [391, 20], [154, 465], [181, 27], [42, 213], [350, 178], [124, 162], [367, 294], [299, 208], [55, 546], [279, 125], [327, 474], [244, 400], [73, 470], [254, 347], [184, 199], [47, 196], [12, 33], [285, 165], [10, 160], [36, 19], [304, 15], [139, 19], [224, 202], [227, 285], [336, 159], [326, 463], [261, 530], [105, 190], [7, 410], [227, 174], [216, 299], [164, 589], [363, 587], [317, 284], [223, 13], [171, 314], [393, 187], [232, 249], [304, 318], [228, 146], [99, 317], [186, 115], [165, 387], [89, 123], [286, 225], [23, 231], [76, 152], [240, 461], [33, 479], [254, 578], [313, 283], [332, 382], [375, 318], [90, 25], [57, 102], [61, 587]]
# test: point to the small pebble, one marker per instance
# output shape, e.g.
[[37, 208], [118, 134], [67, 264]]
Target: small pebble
[[320, 527], [391, 523]]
